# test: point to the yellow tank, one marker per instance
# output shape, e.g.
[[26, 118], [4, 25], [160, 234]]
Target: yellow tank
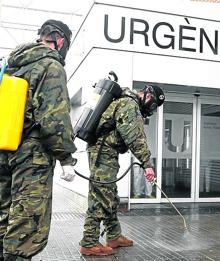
[[13, 96]]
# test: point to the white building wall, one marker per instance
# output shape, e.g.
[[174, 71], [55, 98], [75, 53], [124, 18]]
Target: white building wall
[[189, 16], [172, 70], [92, 56]]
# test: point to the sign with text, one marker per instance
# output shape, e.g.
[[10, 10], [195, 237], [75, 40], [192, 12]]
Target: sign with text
[[155, 32]]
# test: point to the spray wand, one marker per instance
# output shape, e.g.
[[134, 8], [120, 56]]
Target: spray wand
[[184, 220], [116, 180]]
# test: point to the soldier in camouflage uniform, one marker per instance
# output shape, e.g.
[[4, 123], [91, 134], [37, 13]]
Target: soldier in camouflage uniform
[[26, 175], [103, 200]]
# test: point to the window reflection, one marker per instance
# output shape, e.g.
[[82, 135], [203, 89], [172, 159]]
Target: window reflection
[[186, 137], [177, 149], [209, 182], [140, 187]]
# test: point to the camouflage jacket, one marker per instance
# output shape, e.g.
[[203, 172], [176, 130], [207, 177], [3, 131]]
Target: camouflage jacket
[[48, 103], [128, 135]]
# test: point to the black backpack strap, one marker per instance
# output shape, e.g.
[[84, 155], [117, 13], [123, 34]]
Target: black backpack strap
[[100, 150], [105, 129], [103, 132], [107, 126]]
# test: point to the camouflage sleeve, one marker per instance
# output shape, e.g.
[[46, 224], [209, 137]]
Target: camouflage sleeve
[[3, 158], [51, 112], [131, 128]]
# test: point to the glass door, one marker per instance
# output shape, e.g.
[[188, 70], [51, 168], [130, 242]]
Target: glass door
[[170, 133], [184, 138], [208, 146], [177, 149], [141, 190]]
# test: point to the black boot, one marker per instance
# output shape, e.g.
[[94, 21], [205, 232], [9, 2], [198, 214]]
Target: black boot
[[9, 257]]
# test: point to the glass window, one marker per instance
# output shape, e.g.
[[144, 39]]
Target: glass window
[[209, 181], [140, 187], [177, 149]]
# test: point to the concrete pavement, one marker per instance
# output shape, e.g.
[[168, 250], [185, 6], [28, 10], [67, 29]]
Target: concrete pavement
[[156, 229]]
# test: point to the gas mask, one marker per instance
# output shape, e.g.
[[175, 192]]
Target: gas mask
[[151, 97], [64, 49]]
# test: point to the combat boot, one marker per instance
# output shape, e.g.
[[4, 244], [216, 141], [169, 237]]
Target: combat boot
[[121, 241], [98, 250]]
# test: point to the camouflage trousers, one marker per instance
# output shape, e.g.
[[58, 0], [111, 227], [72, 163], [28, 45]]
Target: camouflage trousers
[[25, 202], [103, 202]]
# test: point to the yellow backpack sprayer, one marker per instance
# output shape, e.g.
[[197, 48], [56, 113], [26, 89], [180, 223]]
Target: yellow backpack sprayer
[[13, 96]]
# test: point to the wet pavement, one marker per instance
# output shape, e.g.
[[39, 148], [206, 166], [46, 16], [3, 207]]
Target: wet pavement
[[158, 232]]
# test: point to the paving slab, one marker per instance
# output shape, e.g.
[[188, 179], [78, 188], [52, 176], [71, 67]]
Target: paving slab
[[158, 232]]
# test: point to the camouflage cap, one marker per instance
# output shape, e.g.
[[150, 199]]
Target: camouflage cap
[[51, 26]]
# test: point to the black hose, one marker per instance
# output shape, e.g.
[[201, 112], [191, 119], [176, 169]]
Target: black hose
[[108, 182]]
